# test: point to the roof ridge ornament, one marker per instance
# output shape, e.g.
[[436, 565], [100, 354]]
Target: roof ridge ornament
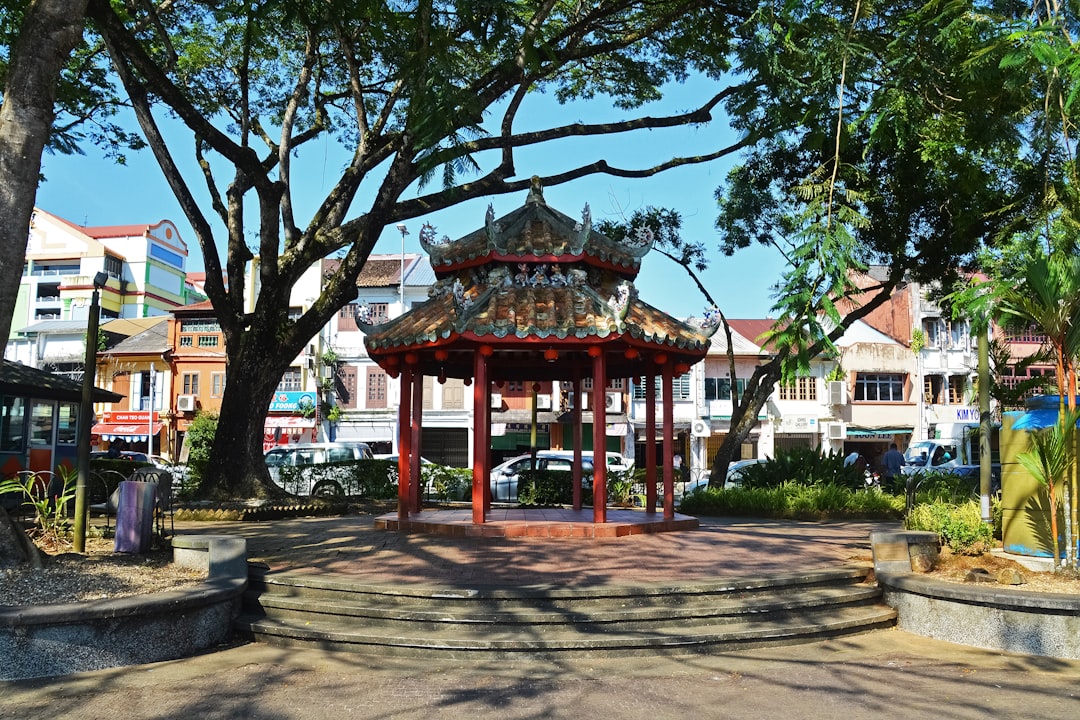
[[583, 230], [493, 230], [536, 192]]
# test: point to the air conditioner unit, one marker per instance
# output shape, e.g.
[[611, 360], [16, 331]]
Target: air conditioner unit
[[185, 403], [496, 400], [837, 392], [700, 428], [837, 431], [543, 402], [613, 402]]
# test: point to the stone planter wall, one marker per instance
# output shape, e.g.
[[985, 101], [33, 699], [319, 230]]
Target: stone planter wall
[[50, 640], [992, 617]]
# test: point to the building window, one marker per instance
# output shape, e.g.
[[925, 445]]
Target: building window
[[720, 388], [515, 386], [199, 325], [291, 380], [208, 341], [932, 328], [41, 422], [191, 383], [453, 394], [13, 424], [957, 388], [804, 388], [66, 421], [346, 318], [376, 388], [186, 341], [346, 387], [217, 384], [680, 387], [879, 387]]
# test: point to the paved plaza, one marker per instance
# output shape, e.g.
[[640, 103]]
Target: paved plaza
[[882, 674]]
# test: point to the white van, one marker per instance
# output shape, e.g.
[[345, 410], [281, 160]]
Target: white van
[[314, 454]]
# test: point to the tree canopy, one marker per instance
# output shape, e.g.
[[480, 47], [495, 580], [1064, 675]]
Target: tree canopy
[[426, 100]]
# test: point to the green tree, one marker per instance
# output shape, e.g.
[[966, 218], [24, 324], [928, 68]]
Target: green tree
[[418, 95], [899, 147]]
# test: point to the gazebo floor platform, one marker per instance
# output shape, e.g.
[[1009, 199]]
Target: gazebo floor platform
[[536, 523]]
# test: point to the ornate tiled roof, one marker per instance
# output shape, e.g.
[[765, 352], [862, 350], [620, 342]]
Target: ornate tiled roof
[[538, 288], [534, 233]]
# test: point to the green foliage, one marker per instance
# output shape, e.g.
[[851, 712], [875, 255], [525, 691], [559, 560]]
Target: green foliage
[[794, 501], [447, 483], [935, 486], [959, 526], [48, 498], [802, 466], [545, 487], [364, 479], [200, 440]]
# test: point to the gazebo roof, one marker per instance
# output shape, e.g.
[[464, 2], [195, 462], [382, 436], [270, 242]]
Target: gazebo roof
[[534, 233], [531, 287]]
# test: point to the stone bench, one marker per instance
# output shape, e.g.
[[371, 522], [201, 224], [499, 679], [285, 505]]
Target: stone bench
[[904, 551], [216, 555]]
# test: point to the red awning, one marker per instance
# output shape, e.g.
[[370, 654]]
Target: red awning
[[126, 431]]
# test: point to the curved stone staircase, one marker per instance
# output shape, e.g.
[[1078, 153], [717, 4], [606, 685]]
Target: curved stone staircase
[[548, 621]]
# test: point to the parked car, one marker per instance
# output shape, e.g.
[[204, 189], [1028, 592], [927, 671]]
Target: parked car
[[734, 476], [314, 454], [504, 477]]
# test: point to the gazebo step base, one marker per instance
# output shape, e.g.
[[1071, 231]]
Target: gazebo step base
[[546, 622], [537, 523]]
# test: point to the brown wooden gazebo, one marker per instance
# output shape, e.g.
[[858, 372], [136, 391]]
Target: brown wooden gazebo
[[534, 296]]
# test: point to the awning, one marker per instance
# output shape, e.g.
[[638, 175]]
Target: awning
[[880, 433], [288, 421], [124, 431]]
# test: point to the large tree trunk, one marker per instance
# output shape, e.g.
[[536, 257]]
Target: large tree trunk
[[744, 418], [237, 468], [49, 31]]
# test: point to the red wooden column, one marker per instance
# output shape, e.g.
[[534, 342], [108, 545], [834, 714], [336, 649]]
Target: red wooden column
[[575, 422], [669, 442], [417, 424], [650, 443], [480, 438], [404, 441], [599, 379]]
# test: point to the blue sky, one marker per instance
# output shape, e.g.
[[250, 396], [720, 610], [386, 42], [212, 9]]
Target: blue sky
[[92, 190]]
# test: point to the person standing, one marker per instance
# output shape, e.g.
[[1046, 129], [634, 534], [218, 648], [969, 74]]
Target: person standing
[[894, 462]]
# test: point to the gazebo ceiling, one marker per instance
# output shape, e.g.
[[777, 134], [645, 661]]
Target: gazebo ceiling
[[536, 301]]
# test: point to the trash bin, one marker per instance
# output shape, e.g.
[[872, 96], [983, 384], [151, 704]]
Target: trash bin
[[135, 516]]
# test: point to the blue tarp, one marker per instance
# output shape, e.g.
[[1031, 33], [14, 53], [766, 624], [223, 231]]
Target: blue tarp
[[1042, 412]]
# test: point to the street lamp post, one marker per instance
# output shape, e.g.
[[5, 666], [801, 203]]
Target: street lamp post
[[401, 275], [86, 414]]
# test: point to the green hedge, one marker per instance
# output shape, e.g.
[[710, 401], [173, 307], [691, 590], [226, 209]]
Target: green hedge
[[355, 478], [794, 501], [959, 526], [545, 487]]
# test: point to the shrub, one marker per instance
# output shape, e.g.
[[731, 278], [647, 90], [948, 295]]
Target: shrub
[[199, 439], [959, 526], [793, 501], [447, 483], [937, 486], [365, 479], [545, 487], [802, 466]]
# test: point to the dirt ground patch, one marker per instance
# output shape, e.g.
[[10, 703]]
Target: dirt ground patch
[[952, 567]]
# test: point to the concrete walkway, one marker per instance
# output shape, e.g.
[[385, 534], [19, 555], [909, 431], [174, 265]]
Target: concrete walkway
[[884, 674]]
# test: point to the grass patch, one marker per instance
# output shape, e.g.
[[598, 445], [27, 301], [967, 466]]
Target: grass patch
[[796, 502]]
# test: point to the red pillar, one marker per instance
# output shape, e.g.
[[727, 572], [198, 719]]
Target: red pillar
[[414, 458], [480, 443], [650, 443], [599, 414], [575, 421], [669, 443], [404, 442]]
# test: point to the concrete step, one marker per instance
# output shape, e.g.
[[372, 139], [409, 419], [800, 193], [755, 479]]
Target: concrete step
[[492, 622]]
